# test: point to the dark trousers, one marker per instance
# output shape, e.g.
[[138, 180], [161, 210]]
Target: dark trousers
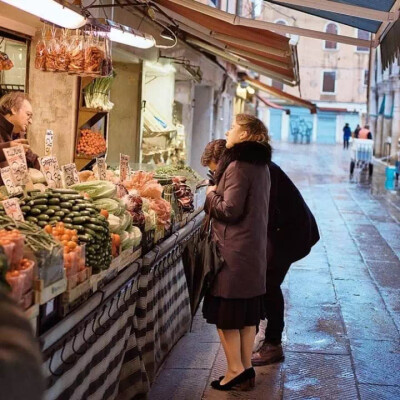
[[346, 143], [274, 301]]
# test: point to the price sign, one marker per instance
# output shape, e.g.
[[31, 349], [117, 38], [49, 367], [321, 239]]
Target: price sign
[[70, 174], [16, 159], [8, 180], [101, 169], [13, 210], [48, 142], [51, 171], [123, 167]]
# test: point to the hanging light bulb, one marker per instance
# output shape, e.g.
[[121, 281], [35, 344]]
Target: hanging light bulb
[[52, 11]]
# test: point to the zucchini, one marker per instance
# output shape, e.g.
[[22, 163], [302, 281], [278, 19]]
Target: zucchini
[[50, 212], [90, 231], [32, 219], [64, 191], [75, 208], [94, 227], [37, 202], [55, 218], [68, 226], [102, 218], [55, 208], [35, 211], [42, 207], [69, 197], [79, 228], [79, 220], [85, 238], [25, 209], [43, 217], [59, 213], [85, 213], [67, 220], [74, 214], [42, 224], [54, 201], [66, 204], [64, 210]]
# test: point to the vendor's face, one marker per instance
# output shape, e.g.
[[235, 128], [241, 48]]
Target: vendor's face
[[21, 118], [235, 135]]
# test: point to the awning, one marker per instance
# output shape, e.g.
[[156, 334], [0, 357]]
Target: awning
[[380, 17], [265, 50], [281, 94], [273, 105]]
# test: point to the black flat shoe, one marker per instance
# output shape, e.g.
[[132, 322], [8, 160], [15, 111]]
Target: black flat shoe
[[251, 371], [244, 381]]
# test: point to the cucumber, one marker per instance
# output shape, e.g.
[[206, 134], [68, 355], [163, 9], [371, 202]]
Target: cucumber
[[85, 238], [68, 226], [55, 218], [39, 195], [64, 191], [90, 231], [43, 217], [66, 204], [79, 228], [102, 218], [25, 209], [32, 219], [79, 220], [74, 214], [75, 208], [37, 202], [42, 224], [50, 212], [42, 207], [35, 211], [64, 210], [59, 213], [69, 197], [67, 220], [54, 201], [55, 208], [85, 213], [94, 227]]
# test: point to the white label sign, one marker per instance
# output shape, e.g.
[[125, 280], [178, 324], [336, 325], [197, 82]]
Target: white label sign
[[51, 171], [48, 143], [101, 169], [17, 162], [13, 210], [123, 167], [70, 174], [8, 180]]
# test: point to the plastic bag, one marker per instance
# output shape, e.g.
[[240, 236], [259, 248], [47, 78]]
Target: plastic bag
[[94, 55], [76, 53], [5, 62], [62, 58], [52, 48], [41, 52], [50, 265]]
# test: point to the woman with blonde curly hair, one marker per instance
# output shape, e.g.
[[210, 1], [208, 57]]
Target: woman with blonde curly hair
[[237, 205]]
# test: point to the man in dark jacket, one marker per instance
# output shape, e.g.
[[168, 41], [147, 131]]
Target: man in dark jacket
[[292, 231], [15, 117]]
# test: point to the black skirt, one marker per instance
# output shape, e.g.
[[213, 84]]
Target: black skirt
[[233, 313]]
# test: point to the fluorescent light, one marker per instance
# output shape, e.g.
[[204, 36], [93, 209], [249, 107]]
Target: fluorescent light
[[131, 38], [50, 11], [250, 90]]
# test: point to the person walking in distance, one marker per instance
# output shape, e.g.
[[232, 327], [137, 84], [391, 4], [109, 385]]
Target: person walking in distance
[[346, 136], [237, 205]]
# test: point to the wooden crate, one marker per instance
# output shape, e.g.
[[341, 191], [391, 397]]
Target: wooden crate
[[43, 294], [32, 314]]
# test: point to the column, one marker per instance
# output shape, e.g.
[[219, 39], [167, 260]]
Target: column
[[379, 129], [396, 122], [314, 128], [285, 127]]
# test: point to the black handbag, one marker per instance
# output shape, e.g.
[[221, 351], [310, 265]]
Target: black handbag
[[211, 258]]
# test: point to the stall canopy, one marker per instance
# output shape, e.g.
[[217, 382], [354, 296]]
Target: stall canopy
[[263, 51], [270, 104], [281, 94], [379, 17]]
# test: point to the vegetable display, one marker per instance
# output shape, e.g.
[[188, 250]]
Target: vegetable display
[[91, 143], [97, 93], [96, 189], [78, 214]]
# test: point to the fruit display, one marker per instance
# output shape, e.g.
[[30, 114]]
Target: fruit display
[[79, 215], [91, 143]]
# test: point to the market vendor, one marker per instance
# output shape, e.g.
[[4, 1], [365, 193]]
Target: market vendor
[[15, 117]]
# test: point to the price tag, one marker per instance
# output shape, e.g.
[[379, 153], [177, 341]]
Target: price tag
[[51, 171], [70, 174], [13, 210], [8, 180], [16, 159], [123, 167], [101, 169], [48, 142]]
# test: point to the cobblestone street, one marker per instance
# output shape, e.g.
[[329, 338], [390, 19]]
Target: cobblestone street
[[343, 300]]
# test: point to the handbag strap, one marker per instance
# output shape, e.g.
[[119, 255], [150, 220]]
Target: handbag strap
[[207, 220]]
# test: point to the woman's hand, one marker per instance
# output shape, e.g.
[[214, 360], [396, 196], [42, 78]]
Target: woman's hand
[[211, 189]]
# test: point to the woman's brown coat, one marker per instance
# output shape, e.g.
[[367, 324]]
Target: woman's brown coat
[[239, 211]]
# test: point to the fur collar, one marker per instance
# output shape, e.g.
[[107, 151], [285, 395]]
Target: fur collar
[[250, 152]]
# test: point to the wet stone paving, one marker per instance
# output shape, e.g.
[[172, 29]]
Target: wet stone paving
[[341, 338]]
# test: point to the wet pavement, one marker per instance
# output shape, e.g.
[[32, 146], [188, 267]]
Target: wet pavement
[[341, 338]]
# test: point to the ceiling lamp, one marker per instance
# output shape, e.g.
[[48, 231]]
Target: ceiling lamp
[[167, 34], [123, 34], [56, 12]]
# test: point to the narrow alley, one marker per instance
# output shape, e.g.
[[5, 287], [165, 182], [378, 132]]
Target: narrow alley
[[342, 301]]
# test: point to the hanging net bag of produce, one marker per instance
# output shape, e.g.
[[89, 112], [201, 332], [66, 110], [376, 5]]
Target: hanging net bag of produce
[[52, 51], [62, 58], [76, 53], [94, 54]]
